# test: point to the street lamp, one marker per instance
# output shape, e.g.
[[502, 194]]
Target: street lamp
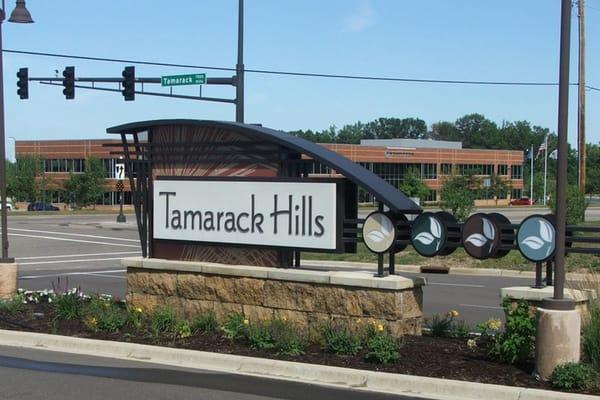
[[19, 15]]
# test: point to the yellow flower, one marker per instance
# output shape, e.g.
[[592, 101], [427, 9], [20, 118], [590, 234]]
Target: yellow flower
[[472, 344], [494, 324], [284, 318], [380, 328], [454, 313], [138, 310], [246, 322], [359, 321]]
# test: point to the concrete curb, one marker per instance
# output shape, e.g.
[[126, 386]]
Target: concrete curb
[[307, 373], [416, 269]]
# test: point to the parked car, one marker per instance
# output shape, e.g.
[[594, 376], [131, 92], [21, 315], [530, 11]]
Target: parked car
[[523, 201], [39, 206]]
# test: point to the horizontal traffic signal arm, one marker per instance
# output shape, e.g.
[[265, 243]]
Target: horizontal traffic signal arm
[[56, 81]]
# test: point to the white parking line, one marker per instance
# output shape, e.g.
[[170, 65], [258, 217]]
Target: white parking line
[[454, 284], [98, 273], [80, 255], [75, 240], [71, 261], [74, 234], [478, 306]]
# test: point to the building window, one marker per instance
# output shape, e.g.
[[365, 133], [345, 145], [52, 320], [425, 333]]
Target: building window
[[516, 172], [503, 169], [64, 165], [446, 169], [475, 169], [431, 196], [516, 193], [320, 169], [428, 171]]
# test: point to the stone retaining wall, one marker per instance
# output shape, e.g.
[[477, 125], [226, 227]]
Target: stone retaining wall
[[306, 298]]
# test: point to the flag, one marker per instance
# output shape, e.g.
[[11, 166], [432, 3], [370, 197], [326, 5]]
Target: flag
[[542, 148], [553, 154]]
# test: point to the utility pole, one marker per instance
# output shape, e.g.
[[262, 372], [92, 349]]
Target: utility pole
[[581, 98], [239, 68]]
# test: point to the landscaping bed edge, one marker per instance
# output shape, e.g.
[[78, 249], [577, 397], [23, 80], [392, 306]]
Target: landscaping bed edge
[[278, 369]]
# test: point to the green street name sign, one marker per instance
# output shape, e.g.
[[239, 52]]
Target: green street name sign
[[179, 80]]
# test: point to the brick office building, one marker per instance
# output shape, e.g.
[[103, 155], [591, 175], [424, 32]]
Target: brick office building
[[388, 158]]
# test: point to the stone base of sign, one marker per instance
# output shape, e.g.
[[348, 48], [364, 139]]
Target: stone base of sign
[[557, 340], [535, 296], [306, 298], [8, 280]]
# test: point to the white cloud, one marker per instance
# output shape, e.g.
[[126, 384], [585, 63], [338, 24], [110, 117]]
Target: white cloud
[[361, 18]]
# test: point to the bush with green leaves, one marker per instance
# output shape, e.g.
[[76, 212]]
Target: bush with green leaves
[[135, 318], [205, 323], [163, 322], [380, 346], [234, 326], [103, 314], [458, 195], [14, 305], [69, 305], [183, 329], [287, 341], [516, 344], [591, 337], [442, 325], [260, 335], [571, 376], [338, 339], [576, 205]]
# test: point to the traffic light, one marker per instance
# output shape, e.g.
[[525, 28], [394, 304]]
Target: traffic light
[[129, 83], [23, 83], [69, 83]]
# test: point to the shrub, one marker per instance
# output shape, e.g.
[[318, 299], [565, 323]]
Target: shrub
[[102, 314], [183, 329], [135, 318], [286, 339], [235, 326], [591, 337], [460, 329], [14, 305], [68, 305], [260, 335], [576, 205], [163, 322], [517, 343], [380, 346], [571, 376], [205, 323], [441, 326], [338, 339]]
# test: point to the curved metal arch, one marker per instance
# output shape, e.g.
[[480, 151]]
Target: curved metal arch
[[382, 190]]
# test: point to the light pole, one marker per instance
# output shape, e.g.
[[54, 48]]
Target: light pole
[[19, 15]]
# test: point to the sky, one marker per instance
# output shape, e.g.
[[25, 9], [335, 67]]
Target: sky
[[502, 40]]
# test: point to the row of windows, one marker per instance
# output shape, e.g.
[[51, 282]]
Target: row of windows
[[77, 165], [395, 172], [108, 199]]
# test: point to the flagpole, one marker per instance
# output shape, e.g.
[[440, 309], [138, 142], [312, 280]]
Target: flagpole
[[531, 190], [545, 166]]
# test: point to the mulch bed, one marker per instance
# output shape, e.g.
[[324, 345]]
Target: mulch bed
[[447, 358]]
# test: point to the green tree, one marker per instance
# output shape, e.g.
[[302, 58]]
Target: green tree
[[413, 185], [458, 195], [499, 187], [85, 189], [576, 205], [23, 178]]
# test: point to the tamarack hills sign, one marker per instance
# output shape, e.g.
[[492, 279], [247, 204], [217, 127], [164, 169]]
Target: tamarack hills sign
[[299, 214]]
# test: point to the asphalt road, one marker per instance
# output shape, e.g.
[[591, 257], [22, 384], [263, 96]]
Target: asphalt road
[[40, 374], [73, 247]]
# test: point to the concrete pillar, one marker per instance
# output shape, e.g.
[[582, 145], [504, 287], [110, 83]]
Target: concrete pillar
[[8, 280], [557, 340]]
